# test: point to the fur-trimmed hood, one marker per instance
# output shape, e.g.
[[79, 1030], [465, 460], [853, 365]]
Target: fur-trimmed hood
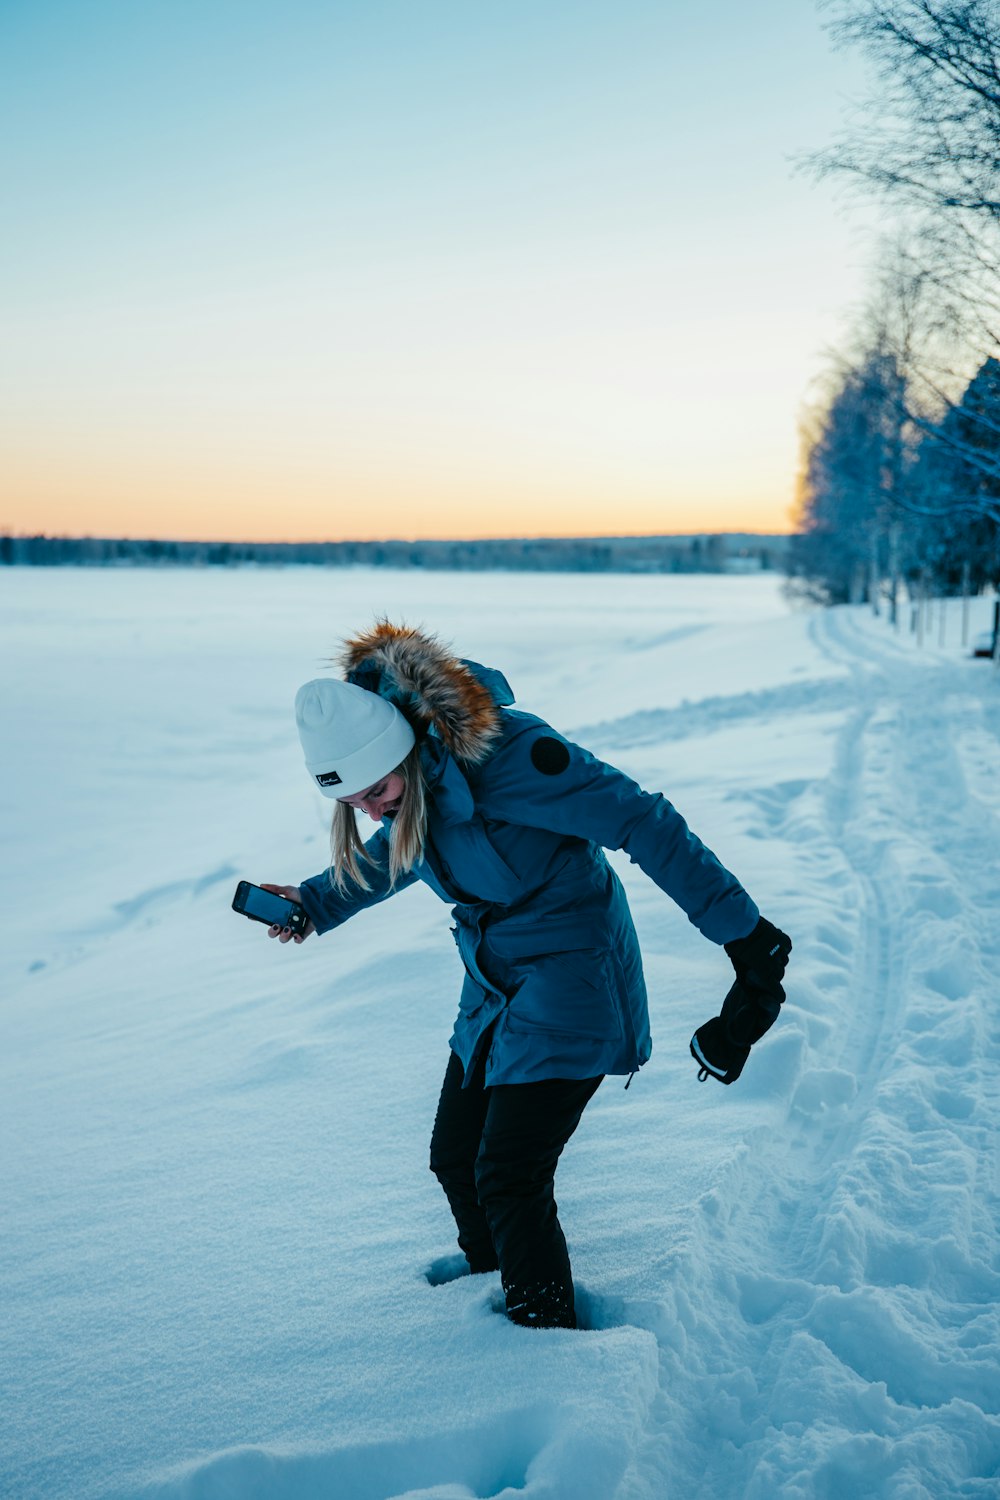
[[455, 700]]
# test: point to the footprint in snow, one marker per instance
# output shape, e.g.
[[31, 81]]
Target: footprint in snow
[[937, 899], [447, 1268], [596, 1311], [953, 979]]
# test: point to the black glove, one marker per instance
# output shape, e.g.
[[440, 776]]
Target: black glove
[[761, 958], [722, 1045], [716, 1051]]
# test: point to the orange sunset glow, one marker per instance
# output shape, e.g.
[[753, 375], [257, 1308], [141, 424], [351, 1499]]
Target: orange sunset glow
[[199, 497]]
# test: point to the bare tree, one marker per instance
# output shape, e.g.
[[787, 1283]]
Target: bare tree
[[854, 453], [927, 142], [931, 135], [949, 408]]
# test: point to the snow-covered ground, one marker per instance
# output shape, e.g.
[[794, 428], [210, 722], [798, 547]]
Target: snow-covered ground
[[217, 1211]]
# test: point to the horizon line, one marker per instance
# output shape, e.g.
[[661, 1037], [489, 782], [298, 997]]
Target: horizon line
[[375, 541]]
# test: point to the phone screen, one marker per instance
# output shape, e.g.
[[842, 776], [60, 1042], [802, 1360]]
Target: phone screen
[[267, 907]]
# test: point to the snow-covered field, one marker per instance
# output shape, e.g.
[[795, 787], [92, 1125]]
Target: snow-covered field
[[216, 1204]]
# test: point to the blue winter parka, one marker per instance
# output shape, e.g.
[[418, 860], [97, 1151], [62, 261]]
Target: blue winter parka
[[515, 843]]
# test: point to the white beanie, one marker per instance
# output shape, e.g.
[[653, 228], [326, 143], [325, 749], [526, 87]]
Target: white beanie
[[351, 738]]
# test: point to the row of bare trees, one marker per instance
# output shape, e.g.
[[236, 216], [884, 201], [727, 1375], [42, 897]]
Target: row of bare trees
[[901, 471]]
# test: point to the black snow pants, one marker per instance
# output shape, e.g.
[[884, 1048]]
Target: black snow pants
[[494, 1151]]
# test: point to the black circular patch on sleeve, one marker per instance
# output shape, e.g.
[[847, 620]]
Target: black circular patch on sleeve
[[549, 756]]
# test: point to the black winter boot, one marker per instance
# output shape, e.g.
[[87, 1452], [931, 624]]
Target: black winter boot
[[548, 1305]]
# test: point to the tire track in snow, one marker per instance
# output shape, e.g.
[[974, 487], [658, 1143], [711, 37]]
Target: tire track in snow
[[849, 823], [774, 1303]]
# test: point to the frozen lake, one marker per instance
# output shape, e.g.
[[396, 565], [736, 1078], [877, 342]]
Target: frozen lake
[[217, 1202]]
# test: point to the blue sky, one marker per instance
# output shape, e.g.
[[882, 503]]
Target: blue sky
[[414, 269]]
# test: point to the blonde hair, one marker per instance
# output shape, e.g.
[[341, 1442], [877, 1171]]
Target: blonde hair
[[407, 832]]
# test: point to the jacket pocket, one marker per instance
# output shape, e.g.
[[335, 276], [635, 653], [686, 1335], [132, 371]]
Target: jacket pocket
[[572, 991]]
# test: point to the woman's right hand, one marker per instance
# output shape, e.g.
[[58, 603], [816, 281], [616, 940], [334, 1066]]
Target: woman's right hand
[[284, 934]]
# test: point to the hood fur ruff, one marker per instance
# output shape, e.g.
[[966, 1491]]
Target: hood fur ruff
[[436, 691]]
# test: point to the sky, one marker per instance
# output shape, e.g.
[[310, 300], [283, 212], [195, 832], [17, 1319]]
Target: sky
[[428, 268]]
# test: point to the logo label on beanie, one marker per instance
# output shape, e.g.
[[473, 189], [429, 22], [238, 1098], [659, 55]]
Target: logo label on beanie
[[328, 778]]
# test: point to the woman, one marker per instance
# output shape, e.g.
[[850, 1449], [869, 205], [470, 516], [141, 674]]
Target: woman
[[508, 821]]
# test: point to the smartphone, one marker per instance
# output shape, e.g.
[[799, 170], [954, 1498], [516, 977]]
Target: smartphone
[[266, 906]]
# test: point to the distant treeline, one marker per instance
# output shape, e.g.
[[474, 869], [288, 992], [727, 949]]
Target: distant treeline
[[667, 554]]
